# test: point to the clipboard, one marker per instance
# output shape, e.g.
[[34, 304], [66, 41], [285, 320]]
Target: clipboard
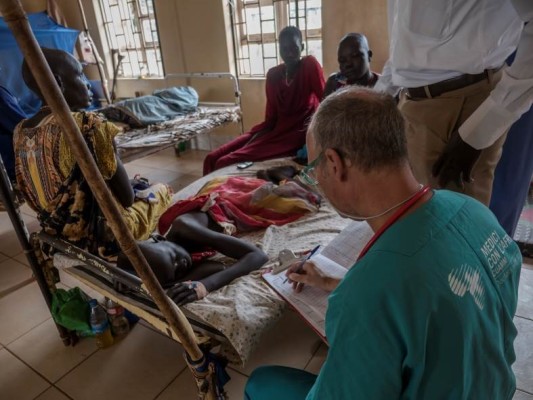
[[334, 260]]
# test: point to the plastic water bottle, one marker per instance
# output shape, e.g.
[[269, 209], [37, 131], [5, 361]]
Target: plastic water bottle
[[100, 325], [119, 323]]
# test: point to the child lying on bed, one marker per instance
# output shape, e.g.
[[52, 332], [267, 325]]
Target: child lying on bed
[[202, 225], [51, 180]]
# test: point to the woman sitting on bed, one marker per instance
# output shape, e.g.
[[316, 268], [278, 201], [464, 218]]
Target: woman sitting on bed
[[293, 91], [51, 180], [202, 225]]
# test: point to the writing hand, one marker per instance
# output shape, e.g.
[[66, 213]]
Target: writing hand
[[310, 275], [456, 162], [186, 292]]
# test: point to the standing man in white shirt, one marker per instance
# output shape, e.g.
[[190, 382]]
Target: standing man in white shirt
[[457, 99]]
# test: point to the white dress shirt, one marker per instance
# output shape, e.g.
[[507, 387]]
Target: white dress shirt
[[435, 40]]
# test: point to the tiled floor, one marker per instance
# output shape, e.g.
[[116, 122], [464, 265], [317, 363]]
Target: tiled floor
[[34, 364]]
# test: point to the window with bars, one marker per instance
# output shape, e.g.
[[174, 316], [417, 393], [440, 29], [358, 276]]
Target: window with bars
[[257, 24], [131, 30]]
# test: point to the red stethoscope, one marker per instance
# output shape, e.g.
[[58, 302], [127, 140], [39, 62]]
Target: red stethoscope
[[395, 217]]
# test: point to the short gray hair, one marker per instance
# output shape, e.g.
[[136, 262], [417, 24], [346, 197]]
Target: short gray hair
[[362, 125]]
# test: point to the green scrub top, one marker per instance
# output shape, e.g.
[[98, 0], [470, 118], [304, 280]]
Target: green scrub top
[[428, 312]]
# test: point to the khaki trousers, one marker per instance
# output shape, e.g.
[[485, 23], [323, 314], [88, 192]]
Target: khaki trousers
[[430, 124]]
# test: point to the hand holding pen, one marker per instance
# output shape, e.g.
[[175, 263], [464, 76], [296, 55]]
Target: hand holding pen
[[300, 265], [307, 273]]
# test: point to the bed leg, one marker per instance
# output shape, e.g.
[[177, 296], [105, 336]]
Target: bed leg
[[69, 338]]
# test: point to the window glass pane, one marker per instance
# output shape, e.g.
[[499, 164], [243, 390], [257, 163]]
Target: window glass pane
[[130, 30], [244, 67], [314, 18], [151, 59], [245, 53], [147, 31], [143, 7], [314, 48], [268, 27], [256, 60], [270, 63], [253, 21], [121, 40], [255, 30], [270, 50]]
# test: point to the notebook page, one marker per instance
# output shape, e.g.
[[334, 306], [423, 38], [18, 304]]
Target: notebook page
[[346, 246], [311, 303]]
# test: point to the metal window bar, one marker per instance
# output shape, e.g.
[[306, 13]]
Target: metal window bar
[[128, 36], [246, 37]]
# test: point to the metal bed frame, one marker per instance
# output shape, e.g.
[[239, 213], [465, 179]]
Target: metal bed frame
[[131, 154]]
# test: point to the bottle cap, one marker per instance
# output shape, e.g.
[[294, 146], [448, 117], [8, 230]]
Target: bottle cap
[[115, 310], [93, 302]]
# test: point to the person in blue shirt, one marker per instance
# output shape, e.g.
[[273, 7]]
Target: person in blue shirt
[[10, 115], [514, 171], [426, 312]]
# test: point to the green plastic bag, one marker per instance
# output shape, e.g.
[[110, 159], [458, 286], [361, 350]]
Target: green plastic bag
[[71, 310]]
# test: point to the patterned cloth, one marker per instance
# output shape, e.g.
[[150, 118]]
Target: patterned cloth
[[241, 204], [53, 185]]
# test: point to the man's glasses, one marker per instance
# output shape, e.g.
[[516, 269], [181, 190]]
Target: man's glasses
[[307, 175]]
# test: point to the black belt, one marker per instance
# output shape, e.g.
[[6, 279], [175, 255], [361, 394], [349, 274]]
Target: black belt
[[459, 82]]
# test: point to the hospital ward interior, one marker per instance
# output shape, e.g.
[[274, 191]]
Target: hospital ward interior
[[266, 199]]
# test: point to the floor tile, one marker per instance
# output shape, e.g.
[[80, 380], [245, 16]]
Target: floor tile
[[318, 359], [44, 351], [523, 367], [138, 367], [133, 169], [290, 342], [52, 394], [162, 175], [519, 395], [31, 222], [182, 181], [21, 258], [168, 162], [21, 311], [18, 381], [13, 275], [184, 387], [525, 294], [25, 209], [9, 244], [3, 257]]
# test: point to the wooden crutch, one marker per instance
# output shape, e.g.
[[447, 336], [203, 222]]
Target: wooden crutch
[[17, 21]]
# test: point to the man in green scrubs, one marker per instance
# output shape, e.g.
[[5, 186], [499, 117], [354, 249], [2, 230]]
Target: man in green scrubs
[[427, 311]]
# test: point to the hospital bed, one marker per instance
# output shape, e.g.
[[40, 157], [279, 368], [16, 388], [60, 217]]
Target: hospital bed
[[140, 142], [231, 319]]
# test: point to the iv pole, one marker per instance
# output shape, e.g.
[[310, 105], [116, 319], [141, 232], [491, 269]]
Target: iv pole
[[99, 62]]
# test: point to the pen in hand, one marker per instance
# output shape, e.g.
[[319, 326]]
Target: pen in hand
[[306, 258]]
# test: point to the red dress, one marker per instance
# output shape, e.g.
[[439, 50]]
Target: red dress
[[289, 107]]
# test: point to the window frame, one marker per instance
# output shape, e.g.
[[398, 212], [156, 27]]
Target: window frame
[[281, 18], [133, 20]]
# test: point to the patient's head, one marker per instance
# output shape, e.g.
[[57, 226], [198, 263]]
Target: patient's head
[[290, 45], [169, 261], [69, 76], [354, 57]]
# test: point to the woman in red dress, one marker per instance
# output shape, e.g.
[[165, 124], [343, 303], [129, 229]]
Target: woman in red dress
[[293, 91]]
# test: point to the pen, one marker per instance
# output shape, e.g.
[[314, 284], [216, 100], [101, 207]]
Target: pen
[[307, 257]]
